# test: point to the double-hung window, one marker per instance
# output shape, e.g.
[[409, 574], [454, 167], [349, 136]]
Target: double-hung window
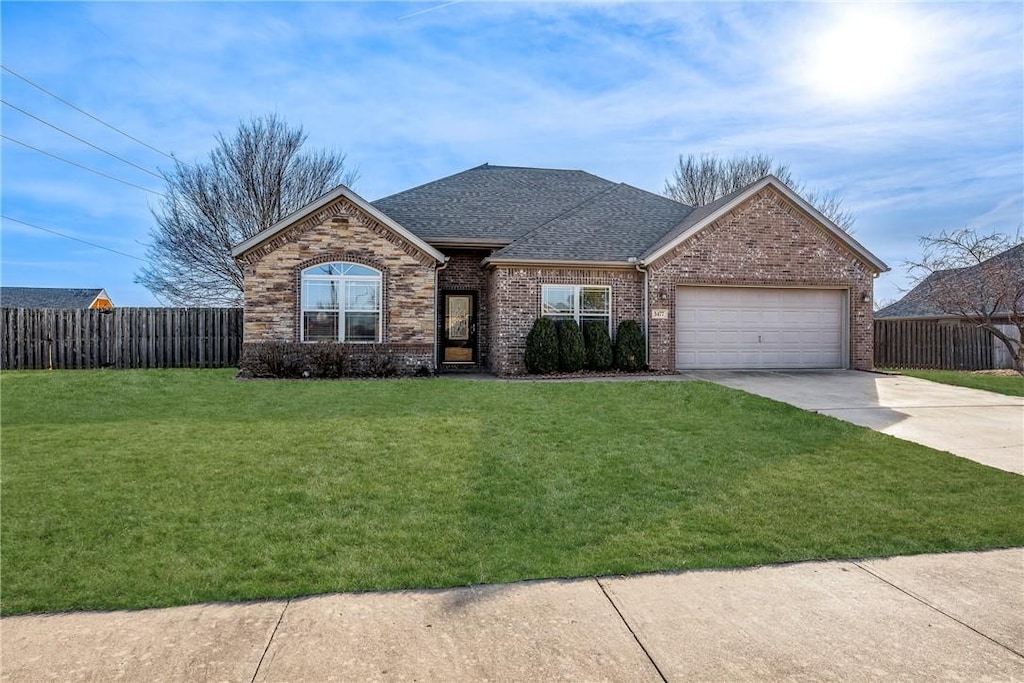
[[586, 304], [341, 302]]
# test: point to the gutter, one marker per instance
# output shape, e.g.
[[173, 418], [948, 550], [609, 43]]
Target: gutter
[[647, 336], [549, 263], [437, 298]]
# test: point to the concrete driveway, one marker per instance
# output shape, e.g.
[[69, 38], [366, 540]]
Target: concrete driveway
[[978, 425]]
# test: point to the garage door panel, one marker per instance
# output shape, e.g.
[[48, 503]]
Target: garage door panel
[[729, 317], [747, 327]]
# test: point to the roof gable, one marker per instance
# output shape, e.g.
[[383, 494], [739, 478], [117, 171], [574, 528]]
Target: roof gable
[[704, 216], [338, 193]]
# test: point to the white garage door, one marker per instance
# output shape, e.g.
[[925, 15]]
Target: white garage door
[[748, 327]]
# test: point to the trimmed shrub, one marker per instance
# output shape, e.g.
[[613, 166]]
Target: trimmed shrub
[[571, 354], [323, 360], [328, 360], [542, 347], [599, 347], [377, 360], [283, 360], [629, 347]]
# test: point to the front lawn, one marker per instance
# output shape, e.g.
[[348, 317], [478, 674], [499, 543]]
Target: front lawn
[[145, 488], [1010, 385]]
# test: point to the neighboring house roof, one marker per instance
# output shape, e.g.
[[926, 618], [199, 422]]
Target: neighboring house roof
[[335, 194], [490, 203], [50, 297], [920, 301]]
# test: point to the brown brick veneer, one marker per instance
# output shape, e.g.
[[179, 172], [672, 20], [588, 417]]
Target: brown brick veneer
[[766, 241], [340, 232], [515, 295], [464, 272]]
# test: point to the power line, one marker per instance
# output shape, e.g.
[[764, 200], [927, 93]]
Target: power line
[[80, 110], [73, 163], [60, 234], [72, 135]]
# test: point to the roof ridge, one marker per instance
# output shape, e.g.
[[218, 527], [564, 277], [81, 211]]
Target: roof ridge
[[487, 165], [659, 196], [568, 211], [536, 168]]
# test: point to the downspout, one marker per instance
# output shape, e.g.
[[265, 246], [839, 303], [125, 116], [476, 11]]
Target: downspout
[[647, 337], [437, 303]]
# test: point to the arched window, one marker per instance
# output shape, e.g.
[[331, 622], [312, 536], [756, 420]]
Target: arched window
[[341, 302]]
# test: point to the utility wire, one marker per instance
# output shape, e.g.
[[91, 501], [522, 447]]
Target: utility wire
[[82, 111], [72, 135], [60, 234], [73, 163]]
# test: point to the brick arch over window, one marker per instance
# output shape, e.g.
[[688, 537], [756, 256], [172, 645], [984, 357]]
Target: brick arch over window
[[359, 258]]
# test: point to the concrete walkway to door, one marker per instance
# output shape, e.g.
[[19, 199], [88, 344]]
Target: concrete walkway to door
[[974, 424]]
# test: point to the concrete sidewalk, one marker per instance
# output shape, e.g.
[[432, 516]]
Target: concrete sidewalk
[[979, 425], [929, 617]]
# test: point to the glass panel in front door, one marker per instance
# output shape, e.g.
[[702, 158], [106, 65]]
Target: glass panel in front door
[[458, 328]]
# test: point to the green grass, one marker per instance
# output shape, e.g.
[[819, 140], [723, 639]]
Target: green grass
[[129, 489], [1010, 385]]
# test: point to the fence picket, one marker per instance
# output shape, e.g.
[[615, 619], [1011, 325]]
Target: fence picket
[[122, 338], [932, 344]]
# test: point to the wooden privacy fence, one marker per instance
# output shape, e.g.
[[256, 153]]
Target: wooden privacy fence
[[931, 344], [39, 338]]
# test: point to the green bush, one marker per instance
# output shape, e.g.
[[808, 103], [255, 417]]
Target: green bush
[[571, 353], [542, 347], [599, 347], [629, 347]]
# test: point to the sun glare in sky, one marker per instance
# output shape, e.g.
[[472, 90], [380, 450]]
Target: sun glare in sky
[[866, 54]]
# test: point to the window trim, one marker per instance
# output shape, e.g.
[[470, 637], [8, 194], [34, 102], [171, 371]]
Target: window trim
[[577, 302], [341, 279]]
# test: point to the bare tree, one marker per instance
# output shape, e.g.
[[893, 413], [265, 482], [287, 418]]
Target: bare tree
[[978, 278], [249, 182], [700, 180]]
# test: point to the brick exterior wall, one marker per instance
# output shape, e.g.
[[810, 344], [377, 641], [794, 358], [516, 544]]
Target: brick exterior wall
[[514, 294], [464, 273], [764, 242], [341, 231]]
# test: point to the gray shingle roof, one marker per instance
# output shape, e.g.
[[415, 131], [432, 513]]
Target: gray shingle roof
[[499, 203], [693, 218], [615, 225], [47, 297], [919, 302]]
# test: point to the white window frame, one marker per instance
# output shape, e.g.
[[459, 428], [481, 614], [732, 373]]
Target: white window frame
[[341, 281], [577, 292]]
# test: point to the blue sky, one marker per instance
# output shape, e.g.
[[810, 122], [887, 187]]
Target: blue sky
[[912, 112]]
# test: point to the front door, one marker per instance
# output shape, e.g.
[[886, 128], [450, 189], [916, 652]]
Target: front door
[[458, 344]]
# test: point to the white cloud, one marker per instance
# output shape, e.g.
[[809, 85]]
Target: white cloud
[[617, 89]]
